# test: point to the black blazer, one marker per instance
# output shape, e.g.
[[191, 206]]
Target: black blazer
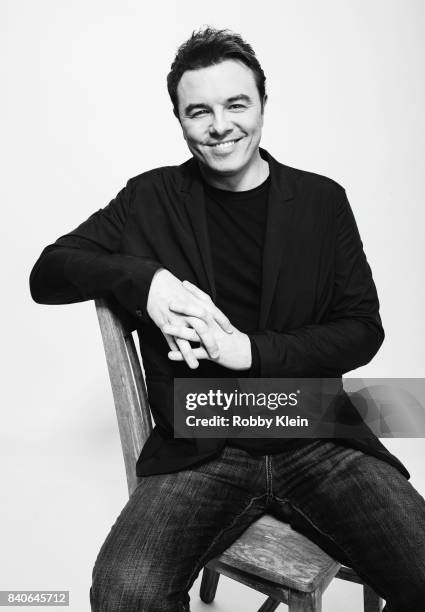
[[319, 314]]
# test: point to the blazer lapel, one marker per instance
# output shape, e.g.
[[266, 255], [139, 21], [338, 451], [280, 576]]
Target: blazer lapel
[[200, 256], [279, 211]]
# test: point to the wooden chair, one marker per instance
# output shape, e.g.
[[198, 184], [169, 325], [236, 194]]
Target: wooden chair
[[270, 556]]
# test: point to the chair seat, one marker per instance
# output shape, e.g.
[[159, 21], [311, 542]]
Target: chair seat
[[273, 551]]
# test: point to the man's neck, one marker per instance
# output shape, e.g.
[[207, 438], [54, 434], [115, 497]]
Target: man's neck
[[248, 178]]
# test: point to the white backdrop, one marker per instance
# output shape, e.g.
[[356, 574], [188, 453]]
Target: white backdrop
[[86, 108]]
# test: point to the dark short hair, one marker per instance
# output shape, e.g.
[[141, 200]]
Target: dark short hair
[[209, 46]]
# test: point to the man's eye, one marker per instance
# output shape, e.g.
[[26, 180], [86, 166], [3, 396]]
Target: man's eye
[[237, 106], [199, 112]]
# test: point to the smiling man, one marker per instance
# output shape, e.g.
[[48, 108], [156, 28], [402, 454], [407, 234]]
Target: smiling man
[[234, 262]]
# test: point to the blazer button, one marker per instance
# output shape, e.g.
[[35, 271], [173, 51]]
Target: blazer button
[[139, 313]]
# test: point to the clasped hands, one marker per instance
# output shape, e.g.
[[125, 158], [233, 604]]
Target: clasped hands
[[184, 313]]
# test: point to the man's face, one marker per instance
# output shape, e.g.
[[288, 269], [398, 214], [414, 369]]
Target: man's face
[[221, 116]]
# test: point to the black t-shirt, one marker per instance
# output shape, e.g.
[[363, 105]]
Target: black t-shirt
[[236, 226]]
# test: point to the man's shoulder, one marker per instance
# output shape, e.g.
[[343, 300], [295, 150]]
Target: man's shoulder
[[161, 175], [308, 180]]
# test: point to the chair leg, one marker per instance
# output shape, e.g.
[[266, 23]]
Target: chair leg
[[208, 585], [305, 602], [371, 601], [269, 605]]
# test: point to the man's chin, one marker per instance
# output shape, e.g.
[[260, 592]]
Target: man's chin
[[222, 167]]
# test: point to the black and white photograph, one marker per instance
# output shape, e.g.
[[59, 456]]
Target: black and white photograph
[[213, 306]]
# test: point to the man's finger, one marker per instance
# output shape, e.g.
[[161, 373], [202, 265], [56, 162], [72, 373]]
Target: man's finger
[[187, 353], [218, 315], [185, 333], [198, 333], [206, 336], [170, 341], [181, 346], [190, 309], [196, 291], [199, 353], [206, 313], [222, 320]]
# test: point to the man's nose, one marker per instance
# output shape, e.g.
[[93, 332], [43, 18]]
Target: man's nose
[[220, 125]]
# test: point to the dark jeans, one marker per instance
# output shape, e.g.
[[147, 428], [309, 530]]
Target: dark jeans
[[357, 508]]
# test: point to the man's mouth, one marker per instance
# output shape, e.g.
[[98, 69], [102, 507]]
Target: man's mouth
[[224, 146]]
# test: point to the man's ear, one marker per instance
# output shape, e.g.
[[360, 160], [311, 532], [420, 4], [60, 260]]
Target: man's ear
[[264, 102]]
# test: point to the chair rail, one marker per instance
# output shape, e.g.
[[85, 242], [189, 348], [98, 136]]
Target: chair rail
[[128, 387]]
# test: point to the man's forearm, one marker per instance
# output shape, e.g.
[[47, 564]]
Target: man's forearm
[[65, 274], [326, 350]]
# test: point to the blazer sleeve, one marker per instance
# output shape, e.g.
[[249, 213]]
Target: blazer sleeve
[[351, 332], [86, 263]]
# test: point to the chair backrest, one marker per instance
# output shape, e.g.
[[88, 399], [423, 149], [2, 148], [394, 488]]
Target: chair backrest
[[128, 387]]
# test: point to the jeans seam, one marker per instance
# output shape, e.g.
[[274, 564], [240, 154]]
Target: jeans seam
[[199, 564], [324, 533]]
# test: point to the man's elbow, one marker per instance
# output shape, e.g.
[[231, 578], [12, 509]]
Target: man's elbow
[[379, 331], [44, 277], [37, 290], [374, 338]]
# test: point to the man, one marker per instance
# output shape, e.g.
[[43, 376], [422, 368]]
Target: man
[[261, 267]]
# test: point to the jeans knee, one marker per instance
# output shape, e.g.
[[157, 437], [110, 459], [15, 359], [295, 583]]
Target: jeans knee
[[123, 591]]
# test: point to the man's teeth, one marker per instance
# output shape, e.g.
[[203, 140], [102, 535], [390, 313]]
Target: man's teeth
[[225, 145]]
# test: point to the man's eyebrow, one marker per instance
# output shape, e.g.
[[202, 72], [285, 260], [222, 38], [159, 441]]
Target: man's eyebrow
[[239, 98]]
